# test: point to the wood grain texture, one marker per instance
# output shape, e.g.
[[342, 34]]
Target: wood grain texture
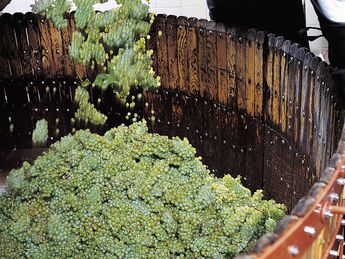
[[269, 72], [202, 59], [20, 26], [249, 74], [276, 108], [211, 59], [284, 84], [49, 68], [259, 75], [231, 62], [182, 51], [240, 70], [192, 55], [11, 42], [35, 48], [222, 72], [171, 27]]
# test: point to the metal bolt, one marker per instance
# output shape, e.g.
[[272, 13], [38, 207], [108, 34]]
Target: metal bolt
[[328, 214], [293, 250], [339, 237], [309, 230], [334, 197], [341, 181]]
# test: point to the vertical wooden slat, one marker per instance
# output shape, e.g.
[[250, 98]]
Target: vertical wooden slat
[[171, 26], [305, 104], [276, 109], [211, 59], [34, 44], [11, 46], [301, 180], [291, 89], [292, 69], [328, 123], [20, 26], [182, 54], [202, 60], [47, 56], [223, 75], [286, 151], [259, 74], [231, 62], [317, 142], [240, 68], [162, 50], [284, 75], [298, 96], [336, 123], [313, 68], [269, 72], [56, 49], [192, 56], [249, 74]]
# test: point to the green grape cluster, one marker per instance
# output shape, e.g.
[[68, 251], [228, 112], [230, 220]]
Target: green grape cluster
[[54, 9], [40, 133], [112, 40], [128, 194], [87, 111]]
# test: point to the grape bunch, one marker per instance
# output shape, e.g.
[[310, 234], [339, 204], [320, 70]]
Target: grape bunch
[[111, 40], [128, 194], [40, 133], [87, 111]]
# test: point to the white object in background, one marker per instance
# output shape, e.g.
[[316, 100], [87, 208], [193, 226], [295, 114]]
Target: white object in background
[[23, 6], [20, 6], [333, 10]]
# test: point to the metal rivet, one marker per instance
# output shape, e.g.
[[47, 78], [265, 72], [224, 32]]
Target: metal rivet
[[310, 230], [327, 214], [339, 237], [341, 181], [334, 197], [293, 250]]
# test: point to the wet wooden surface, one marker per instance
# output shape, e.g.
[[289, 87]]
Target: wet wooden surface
[[252, 104]]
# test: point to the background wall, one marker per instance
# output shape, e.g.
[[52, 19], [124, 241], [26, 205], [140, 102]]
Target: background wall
[[196, 8]]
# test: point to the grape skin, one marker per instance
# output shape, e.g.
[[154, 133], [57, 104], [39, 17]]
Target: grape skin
[[128, 194]]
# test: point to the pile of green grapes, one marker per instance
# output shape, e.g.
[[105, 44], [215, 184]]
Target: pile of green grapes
[[128, 194], [114, 40]]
